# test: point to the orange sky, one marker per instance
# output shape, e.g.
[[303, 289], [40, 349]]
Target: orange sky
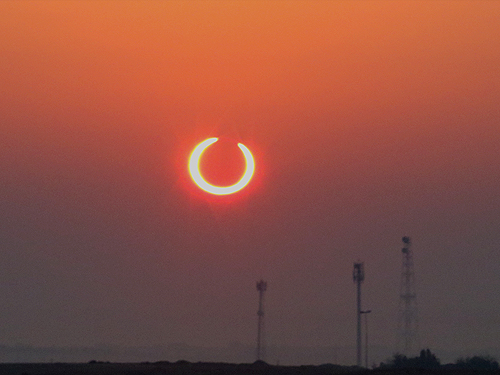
[[227, 57], [369, 120], [227, 64]]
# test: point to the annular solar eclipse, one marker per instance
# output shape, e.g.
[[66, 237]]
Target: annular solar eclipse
[[194, 169]]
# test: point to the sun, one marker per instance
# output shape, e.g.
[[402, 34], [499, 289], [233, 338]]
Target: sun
[[194, 169]]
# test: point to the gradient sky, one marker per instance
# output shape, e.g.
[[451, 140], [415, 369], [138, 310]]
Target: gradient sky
[[369, 120]]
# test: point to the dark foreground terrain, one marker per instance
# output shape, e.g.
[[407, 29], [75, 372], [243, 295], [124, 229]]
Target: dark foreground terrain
[[200, 368]]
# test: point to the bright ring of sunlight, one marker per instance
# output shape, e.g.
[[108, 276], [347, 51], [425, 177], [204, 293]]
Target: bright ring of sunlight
[[194, 170]]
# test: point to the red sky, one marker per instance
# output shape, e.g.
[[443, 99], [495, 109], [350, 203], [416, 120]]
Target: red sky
[[369, 120]]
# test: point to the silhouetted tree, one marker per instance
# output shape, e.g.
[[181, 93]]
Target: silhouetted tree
[[426, 360], [397, 361], [478, 363]]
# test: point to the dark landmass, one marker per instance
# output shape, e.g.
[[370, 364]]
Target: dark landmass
[[204, 368]]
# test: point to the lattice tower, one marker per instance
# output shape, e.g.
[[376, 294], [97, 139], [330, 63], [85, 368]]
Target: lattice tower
[[408, 310]]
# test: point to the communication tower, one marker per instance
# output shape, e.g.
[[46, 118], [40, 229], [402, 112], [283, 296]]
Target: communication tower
[[358, 276], [408, 312], [261, 348]]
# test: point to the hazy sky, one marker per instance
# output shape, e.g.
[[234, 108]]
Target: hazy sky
[[369, 120]]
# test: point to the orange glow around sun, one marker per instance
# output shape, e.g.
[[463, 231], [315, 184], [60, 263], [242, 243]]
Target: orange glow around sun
[[194, 170]]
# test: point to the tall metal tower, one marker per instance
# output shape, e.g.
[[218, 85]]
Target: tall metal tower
[[261, 347], [408, 312], [358, 275]]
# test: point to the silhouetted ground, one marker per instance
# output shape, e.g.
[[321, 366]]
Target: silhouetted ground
[[186, 368]]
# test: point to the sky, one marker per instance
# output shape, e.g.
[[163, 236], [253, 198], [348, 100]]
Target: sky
[[368, 121]]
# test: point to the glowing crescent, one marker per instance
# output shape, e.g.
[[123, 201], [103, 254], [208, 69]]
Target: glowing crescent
[[194, 170]]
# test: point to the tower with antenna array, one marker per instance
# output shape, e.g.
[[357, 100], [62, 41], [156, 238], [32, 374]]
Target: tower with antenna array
[[408, 312], [358, 275], [261, 348]]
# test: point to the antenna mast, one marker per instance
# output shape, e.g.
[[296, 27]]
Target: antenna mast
[[408, 312], [358, 276], [261, 287]]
